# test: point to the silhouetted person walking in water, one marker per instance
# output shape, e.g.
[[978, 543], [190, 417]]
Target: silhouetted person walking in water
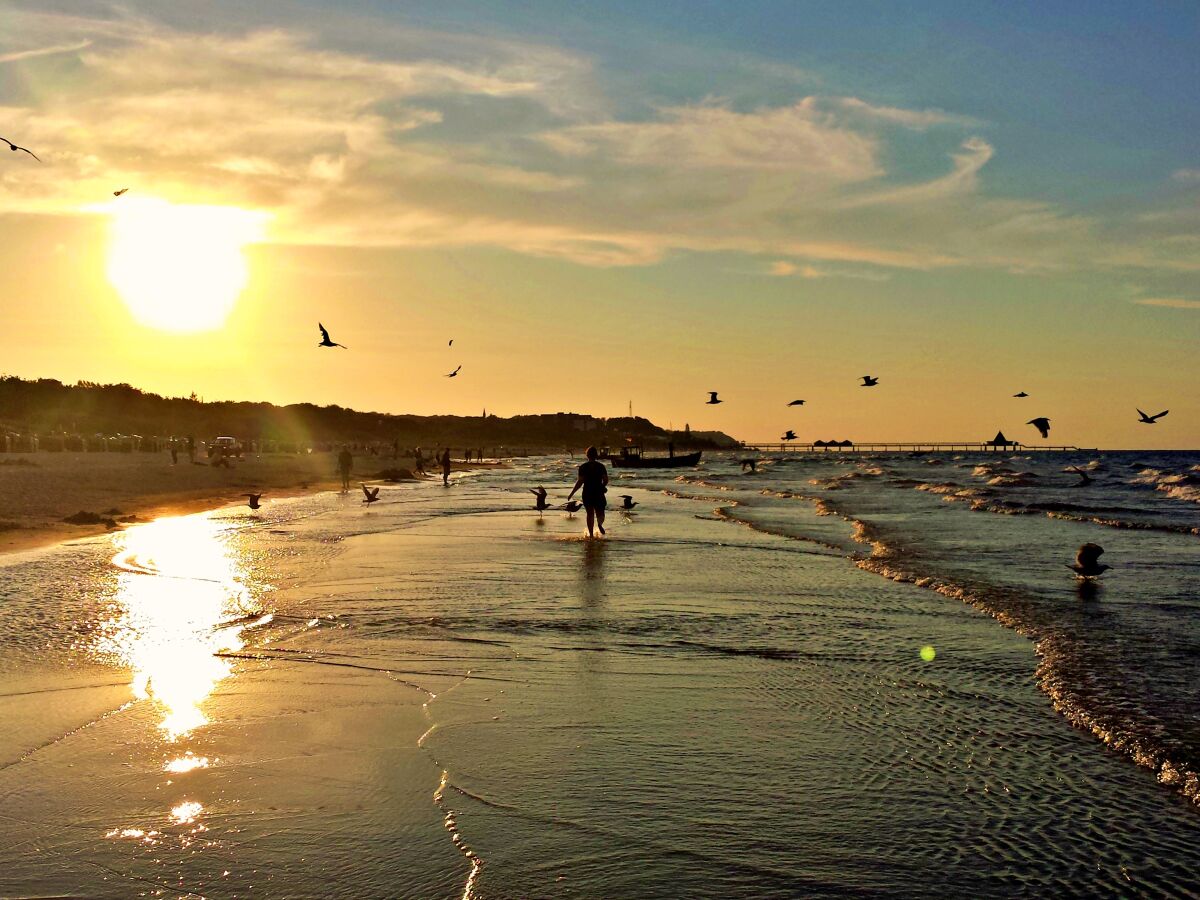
[[191, 448], [593, 478], [446, 467], [345, 462]]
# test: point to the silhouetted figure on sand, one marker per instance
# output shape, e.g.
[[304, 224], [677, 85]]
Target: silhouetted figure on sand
[[419, 462], [191, 448], [174, 452], [345, 463], [593, 478], [446, 467]]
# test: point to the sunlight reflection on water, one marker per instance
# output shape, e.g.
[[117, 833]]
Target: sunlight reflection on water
[[181, 599]]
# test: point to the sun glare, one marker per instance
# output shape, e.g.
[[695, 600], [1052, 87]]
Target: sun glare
[[179, 267]]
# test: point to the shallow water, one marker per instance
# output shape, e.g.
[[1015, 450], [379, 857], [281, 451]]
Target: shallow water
[[449, 695]]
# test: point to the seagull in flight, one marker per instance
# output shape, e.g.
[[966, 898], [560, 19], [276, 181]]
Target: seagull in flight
[[1150, 420], [455, 372], [540, 493], [1087, 561], [1084, 478], [628, 502], [120, 192], [573, 506], [1042, 424], [14, 148], [325, 341], [869, 381], [253, 500], [1021, 394], [712, 398], [788, 435], [451, 344], [796, 403], [372, 494]]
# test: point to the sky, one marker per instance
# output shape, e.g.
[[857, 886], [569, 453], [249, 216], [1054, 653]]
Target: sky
[[614, 203]]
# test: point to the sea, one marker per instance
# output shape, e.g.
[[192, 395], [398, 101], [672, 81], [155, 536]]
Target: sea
[[835, 675]]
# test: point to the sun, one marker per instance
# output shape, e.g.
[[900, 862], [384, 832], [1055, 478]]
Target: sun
[[180, 267]]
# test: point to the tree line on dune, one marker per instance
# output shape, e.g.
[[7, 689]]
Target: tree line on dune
[[46, 406]]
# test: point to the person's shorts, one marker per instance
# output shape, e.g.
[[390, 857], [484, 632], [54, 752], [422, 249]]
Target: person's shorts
[[594, 500]]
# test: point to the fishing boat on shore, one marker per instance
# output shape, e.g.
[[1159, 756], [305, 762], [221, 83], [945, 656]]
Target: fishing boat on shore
[[631, 457]]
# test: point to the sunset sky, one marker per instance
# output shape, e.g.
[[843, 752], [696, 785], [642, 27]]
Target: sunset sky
[[617, 201]]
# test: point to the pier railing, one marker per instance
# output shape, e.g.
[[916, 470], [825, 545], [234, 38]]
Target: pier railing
[[919, 447]]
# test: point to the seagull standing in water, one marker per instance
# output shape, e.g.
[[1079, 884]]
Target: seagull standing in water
[[1042, 424], [869, 381], [325, 341], [1150, 420], [572, 506], [712, 398], [627, 502], [371, 494], [252, 500], [540, 494], [1087, 561], [14, 148]]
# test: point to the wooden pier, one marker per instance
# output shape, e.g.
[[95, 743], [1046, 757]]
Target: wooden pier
[[921, 447]]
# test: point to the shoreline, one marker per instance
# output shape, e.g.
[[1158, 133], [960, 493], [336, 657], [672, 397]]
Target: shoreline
[[132, 489]]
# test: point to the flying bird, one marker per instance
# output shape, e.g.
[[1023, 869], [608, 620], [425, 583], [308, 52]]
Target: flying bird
[[120, 192], [325, 341], [1150, 420], [712, 398], [1084, 478], [627, 502], [455, 372], [868, 381], [1021, 394], [1042, 424], [371, 494], [796, 403], [540, 494], [1087, 561], [451, 344], [788, 435], [573, 506], [14, 148], [253, 500]]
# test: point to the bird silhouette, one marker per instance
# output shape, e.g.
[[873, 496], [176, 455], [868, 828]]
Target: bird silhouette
[[868, 381], [1042, 424], [253, 500], [120, 192], [14, 148], [371, 494], [451, 344], [325, 341], [796, 403], [1021, 394], [788, 435], [455, 372], [573, 506], [627, 502], [540, 494], [1084, 478], [1087, 564], [1150, 420], [712, 398]]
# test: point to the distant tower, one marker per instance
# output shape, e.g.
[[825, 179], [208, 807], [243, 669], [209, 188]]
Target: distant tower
[[687, 429], [631, 409], [485, 412]]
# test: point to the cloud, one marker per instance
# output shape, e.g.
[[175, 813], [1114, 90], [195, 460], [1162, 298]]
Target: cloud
[[1186, 175], [18, 55], [1171, 302], [406, 137]]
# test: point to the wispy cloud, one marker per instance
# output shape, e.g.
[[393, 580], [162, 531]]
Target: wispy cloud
[[916, 119], [18, 55], [1170, 302], [1186, 175]]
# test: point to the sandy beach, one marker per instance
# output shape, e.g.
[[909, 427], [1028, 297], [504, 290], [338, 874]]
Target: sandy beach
[[39, 490]]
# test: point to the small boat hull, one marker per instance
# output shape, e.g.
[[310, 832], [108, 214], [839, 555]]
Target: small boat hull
[[681, 461]]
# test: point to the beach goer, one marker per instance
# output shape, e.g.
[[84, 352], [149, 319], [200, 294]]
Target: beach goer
[[345, 462], [446, 467], [593, 478], [191, 448], [174, 452], [467, 455], [419, 461]]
